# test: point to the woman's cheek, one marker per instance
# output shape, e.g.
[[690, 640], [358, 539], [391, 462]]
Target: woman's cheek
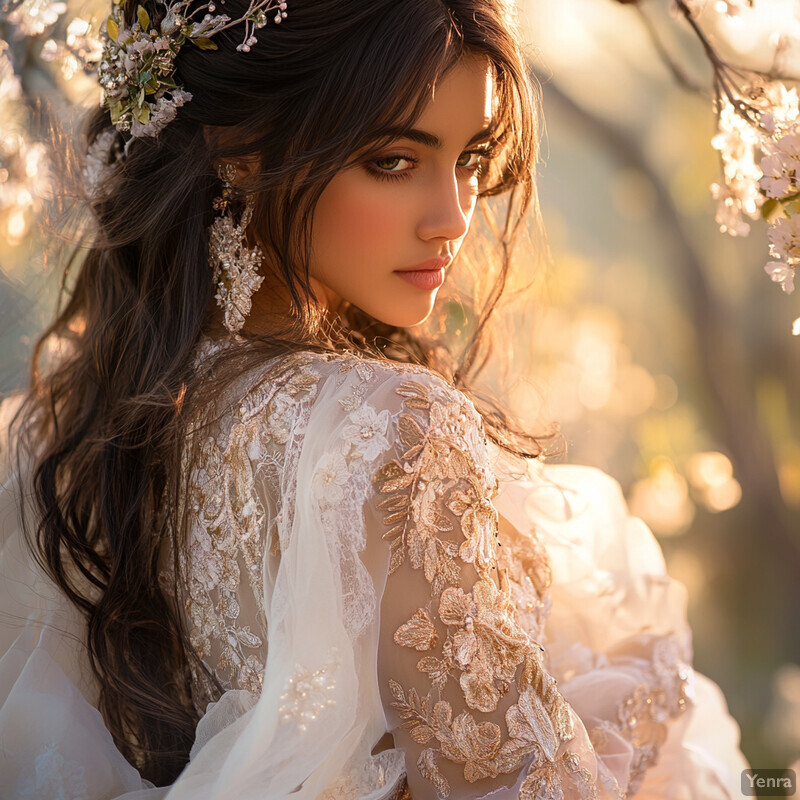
[[361, 234], [369, 222]]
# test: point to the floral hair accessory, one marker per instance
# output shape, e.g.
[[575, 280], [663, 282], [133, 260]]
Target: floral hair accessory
[[137, 69]]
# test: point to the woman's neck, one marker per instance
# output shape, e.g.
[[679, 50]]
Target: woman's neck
[[271, 308]]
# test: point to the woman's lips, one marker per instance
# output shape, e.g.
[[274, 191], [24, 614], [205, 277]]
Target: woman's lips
[[426, 279], [428, 274]]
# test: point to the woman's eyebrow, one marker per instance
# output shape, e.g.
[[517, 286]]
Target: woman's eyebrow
[[431, 139]]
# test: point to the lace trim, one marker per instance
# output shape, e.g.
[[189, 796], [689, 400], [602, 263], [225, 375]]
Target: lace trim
[[643, 715], [340, 487]]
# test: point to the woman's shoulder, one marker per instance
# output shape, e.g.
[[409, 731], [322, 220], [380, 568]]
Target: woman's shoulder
[[306, 386], [402, 388], [374, 376]]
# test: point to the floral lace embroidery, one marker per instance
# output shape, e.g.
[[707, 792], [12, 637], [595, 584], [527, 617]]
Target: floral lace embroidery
[[524, 560], [644, 713], [484, 645], [363, 778], [490, 630], [227, 537], [547, 779]]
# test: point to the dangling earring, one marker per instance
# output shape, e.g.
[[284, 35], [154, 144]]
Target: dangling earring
[[235, 265]]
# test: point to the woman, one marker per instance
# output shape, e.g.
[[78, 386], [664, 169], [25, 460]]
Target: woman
[[263, 534]]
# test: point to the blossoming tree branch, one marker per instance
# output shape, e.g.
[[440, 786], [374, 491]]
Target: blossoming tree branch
[[754, 95]]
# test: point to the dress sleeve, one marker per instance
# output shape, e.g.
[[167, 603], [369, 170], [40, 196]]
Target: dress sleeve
[[618, 639], [465, 692]]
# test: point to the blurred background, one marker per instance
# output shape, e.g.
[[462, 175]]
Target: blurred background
[[661, 347], [665, 351]]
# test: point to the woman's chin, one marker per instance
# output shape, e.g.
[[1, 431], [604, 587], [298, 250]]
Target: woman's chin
[[405, 318]]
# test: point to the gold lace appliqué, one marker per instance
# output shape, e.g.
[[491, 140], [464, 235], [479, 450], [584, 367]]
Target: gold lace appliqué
[[441, 470]]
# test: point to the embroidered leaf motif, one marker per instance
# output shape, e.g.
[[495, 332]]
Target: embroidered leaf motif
[[397, 690], [247, 637], [529, 722], [416, 395], [459, 466], [387, 472], [441, 523], [418, 632], [547, 781], [397, 554], [394, 484], [422, 733], [392, 532], [426, 764], [398, 502], [229, 606], [411, 434], [436, 669]]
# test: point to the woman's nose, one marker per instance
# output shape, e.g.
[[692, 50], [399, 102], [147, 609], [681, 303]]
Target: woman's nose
[[447, 210]]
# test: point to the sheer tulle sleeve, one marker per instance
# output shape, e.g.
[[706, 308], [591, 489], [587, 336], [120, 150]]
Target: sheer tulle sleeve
[[53, 742]]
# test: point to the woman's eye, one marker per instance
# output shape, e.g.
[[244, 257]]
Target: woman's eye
[[470, 155], [478, 161], [390, 163], [394, 167]]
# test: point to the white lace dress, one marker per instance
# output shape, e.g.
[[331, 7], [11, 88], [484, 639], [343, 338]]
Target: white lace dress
[[390, 614]]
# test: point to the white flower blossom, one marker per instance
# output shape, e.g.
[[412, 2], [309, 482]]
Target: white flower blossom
[[782, 274], [780, 175], [366, 431], [737, 142], [32, 17], [330, 479], [784, 238], [781, 166], [781, 112]]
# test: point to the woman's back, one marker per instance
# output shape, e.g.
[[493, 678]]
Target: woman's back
[[345, 512]]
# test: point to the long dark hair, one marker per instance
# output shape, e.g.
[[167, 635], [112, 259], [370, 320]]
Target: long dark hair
[[107, 418]]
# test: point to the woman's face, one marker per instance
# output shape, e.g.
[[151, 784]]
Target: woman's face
[[410, 203]]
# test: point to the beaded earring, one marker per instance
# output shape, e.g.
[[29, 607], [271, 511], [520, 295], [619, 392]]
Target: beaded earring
[[235, 265]]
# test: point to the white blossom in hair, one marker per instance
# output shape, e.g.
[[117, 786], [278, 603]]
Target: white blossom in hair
[[137, 70]]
